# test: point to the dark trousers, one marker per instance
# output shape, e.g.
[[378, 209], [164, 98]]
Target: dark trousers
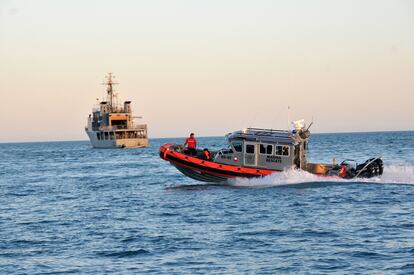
[[192, 151]]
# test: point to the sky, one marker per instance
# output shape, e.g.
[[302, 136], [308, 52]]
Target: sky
[[209, 67]]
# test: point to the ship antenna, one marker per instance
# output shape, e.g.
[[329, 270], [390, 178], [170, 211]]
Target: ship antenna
[[288, 118], [307, 129], [109, 89]]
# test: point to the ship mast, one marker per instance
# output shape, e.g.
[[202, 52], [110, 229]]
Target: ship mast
[[109, 89]]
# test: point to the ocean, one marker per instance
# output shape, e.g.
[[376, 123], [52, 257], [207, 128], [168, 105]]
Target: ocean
[[68, 208]]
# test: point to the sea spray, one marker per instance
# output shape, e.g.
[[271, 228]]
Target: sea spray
[[393, 174]]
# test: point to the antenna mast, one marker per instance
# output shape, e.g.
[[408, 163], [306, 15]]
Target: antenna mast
[[109, 89], [288, 118]]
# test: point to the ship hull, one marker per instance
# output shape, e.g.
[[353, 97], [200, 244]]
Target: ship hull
[[116, 143]]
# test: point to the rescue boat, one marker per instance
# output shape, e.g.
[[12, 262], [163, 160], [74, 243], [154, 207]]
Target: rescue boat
[[255, 152]]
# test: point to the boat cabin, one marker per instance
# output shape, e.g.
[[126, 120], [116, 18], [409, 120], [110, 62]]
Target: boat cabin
[[265, 148]]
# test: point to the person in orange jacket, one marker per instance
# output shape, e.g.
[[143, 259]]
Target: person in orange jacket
[[191, 143], [206, 154]]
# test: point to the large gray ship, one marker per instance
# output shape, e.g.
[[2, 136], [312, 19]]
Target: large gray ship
[[111, 125]]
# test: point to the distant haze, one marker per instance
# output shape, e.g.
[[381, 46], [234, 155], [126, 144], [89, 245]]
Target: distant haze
[[209, 67]]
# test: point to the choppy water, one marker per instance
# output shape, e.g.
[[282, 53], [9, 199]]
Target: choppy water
[[65, 207]]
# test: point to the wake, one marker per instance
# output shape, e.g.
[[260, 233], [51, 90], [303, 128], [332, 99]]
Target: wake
[[393, 174]]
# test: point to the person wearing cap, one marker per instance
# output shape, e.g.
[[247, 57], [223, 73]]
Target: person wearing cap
[[191, 143]]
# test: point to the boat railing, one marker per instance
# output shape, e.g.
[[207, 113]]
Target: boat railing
[[224, 151], [265, 130], [123, 127], [118, 109]]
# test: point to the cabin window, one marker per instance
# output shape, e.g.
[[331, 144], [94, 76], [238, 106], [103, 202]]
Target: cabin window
[[278, 150], [266, 149], [285, 150], [250, 149], [106, 136], [237, 145], [269, 149], [282, 150], [111, 135], [119, 124], [98, 136]]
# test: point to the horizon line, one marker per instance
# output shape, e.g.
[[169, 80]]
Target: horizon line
[[175, 137]]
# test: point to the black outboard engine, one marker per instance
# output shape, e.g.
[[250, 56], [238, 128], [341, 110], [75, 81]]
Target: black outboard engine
[[371, 168]]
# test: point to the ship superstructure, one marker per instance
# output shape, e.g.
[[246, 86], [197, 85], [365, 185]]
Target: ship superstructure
[[111, 125]]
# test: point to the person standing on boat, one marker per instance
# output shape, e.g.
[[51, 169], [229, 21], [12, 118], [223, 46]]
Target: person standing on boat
[[191, 143]]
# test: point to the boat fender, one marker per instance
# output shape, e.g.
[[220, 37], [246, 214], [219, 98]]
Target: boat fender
[[165, 153]]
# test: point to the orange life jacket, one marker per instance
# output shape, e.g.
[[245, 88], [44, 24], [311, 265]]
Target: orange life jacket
[[342, 172], [191, 143], [207, 154]]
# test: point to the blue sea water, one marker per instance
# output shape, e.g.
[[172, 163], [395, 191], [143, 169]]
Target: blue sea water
[[68, 208]]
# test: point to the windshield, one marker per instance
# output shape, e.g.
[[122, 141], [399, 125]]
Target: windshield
[[237, 145]]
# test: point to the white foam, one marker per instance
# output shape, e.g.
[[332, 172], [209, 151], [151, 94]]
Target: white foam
[[398, 173], [287, 177], [395, 174]]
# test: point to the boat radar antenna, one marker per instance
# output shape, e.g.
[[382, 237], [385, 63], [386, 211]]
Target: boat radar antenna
[[288, 118], [109, 88], [307, 129]]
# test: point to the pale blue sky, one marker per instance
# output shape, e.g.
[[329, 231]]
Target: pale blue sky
[[207, 66]]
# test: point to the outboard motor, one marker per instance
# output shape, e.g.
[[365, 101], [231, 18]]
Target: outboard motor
[[371, 168]]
